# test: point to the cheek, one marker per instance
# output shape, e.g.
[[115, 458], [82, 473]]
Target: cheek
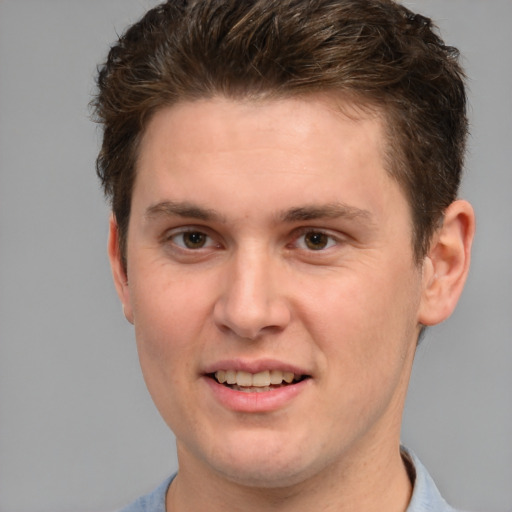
[[169, 313], [166, 323], [366, 321], [366, 337]]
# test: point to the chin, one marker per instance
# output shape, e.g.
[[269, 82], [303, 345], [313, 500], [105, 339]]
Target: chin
[[266, 465], [264, 476]]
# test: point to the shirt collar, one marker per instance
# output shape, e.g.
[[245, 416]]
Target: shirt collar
[[425, 495]]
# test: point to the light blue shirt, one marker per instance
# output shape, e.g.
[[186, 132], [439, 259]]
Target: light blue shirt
[[425, 496]]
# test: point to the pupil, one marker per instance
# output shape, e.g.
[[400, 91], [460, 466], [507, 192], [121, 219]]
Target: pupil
[[194, 239], [316, 241]]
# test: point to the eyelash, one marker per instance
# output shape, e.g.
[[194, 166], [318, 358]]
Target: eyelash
[[171, 237], [325, 238]]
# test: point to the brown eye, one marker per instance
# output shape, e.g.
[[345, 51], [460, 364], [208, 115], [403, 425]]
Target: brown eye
[[194, 239], [191, 240], [316, 240]]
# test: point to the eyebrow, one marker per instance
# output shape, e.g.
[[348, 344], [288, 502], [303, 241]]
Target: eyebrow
[[190, 210], [182, 209], [325, 211]]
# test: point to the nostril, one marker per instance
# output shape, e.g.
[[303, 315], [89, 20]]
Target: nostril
[[251, 323]]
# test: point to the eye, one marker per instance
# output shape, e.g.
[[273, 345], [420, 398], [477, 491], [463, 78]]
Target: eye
[[191, 240], [315, 241]]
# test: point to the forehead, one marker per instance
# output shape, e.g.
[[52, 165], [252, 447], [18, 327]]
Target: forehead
[[297, 117], [295, 148]]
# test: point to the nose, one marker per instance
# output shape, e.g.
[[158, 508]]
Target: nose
[[252, 299]]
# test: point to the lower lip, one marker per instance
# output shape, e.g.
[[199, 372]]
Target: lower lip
[[256, 401]]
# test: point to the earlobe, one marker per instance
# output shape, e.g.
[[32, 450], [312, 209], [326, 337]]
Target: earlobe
[[446, 266], [118, 269]]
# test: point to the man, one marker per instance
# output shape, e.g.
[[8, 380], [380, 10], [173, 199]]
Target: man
[[285, 224]]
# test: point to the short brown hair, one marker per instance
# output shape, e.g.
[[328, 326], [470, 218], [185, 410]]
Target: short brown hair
[[377, 50]]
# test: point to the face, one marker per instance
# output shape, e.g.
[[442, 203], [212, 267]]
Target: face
[[272, 285]]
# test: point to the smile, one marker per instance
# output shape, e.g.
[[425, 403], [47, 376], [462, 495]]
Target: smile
[[256, 382]]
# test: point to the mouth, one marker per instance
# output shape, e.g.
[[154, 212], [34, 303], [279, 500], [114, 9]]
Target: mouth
[[266, 380]]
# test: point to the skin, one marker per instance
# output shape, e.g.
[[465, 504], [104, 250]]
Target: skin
[[304, 259]]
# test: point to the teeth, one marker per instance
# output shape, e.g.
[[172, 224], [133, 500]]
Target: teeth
[[244, 379], [288, 377], [221, 376], [260, 380], [276, 377]]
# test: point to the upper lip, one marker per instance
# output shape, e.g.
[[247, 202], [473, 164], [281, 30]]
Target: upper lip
[[254, 366]]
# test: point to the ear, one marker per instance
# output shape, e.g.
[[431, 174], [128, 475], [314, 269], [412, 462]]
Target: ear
[[446, 266], [118, 269]]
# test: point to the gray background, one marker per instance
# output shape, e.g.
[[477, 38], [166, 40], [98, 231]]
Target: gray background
[[78, 431]]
